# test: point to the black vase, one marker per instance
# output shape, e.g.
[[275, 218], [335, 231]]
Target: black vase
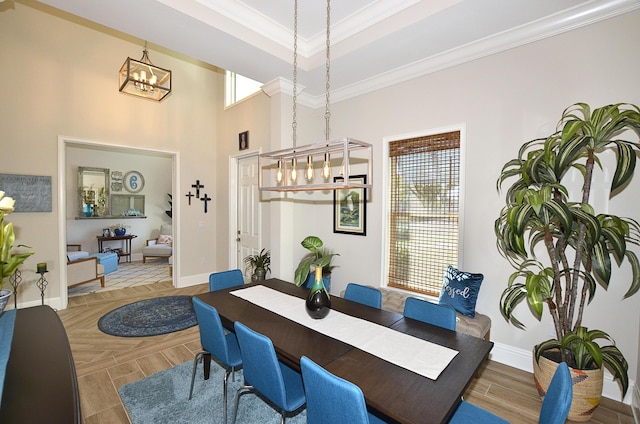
[[318, 302]]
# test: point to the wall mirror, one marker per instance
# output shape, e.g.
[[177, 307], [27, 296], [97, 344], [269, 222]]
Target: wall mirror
[[93, 192]]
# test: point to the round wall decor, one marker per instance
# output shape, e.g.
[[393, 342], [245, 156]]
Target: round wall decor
[[133, 181]]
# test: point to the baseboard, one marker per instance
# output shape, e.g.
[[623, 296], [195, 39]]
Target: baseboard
[[192, 280], [523, 360], [635, 407]]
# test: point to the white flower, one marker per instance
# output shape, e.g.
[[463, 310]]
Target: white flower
[[6, 204]]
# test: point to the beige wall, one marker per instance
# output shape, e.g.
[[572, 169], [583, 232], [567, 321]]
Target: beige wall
[[60, 77]]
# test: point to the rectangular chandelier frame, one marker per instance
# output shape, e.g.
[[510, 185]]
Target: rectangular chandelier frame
[[132, 82], [341, 148]]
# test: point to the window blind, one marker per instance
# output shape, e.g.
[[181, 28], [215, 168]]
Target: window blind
[[424, 210]]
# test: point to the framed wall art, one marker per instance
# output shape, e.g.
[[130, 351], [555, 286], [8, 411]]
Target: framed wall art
[[350, 208]]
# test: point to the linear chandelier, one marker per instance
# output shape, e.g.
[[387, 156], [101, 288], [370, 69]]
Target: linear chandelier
[[142, 78], [279, 170]]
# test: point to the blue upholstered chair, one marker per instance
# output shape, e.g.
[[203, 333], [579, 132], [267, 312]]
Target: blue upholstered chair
[[331, 399], [557, 401], [225, 279], [362, 294], [216, 342], [555, 407], [432, 313], [263, 373]]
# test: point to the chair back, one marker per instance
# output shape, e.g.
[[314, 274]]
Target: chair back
[[557, 401], [432, 313], [260, 364], [212, 335], [225, 279], [331, 399], [369, 296]]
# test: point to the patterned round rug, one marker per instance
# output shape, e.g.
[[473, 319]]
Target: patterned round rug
[[150, 317]]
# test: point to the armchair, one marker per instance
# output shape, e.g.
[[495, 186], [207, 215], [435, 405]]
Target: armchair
[[160, 247], [81, 268]]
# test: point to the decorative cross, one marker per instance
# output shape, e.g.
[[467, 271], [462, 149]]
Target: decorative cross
[[190, 195], [197, 186], [205, 199]]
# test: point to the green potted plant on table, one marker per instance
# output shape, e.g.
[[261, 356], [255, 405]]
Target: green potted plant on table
[[579, 243], [259, 265], [9, 262], [317, 257]]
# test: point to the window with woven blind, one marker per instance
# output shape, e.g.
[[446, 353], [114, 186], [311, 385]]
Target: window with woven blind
[[424, 184]]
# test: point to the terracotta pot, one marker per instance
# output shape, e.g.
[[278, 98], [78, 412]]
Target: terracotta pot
[[587, 387]]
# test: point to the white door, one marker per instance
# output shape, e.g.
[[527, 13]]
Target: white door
[[248, 240]]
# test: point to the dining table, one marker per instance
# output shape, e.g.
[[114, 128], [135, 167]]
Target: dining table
[[396, 393]]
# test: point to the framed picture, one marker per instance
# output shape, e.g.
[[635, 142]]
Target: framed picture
[[133, 181], [106, 232], [350, 208], [243, 140]]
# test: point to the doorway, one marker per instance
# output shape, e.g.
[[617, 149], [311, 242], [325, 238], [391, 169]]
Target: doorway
[[246, 207], [68, 217]]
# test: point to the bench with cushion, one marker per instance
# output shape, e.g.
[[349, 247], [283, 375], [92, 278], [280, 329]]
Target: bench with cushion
[[478, 326]]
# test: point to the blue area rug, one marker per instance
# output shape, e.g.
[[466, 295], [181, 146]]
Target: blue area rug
[[150, 317], [164, 398]]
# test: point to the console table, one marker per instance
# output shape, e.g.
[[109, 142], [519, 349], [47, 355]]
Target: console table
[[125, 252]]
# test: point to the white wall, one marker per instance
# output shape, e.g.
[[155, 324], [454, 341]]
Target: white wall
[[503, 100]]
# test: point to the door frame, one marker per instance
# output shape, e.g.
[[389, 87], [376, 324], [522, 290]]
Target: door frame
[[63, 142], [233, 206]]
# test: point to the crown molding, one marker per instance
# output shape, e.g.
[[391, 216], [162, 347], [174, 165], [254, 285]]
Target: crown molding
[[559, 23]]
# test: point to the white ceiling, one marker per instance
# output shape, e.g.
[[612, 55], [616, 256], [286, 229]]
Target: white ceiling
[[374, 43]]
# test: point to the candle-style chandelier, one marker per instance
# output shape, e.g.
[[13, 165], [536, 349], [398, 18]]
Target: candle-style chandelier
[[279, 170], [142, 78]]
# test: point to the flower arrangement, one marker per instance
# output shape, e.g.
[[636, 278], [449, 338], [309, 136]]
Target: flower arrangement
[[9, 262]]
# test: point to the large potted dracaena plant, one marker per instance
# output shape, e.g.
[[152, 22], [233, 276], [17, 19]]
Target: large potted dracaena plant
[[579, 244]]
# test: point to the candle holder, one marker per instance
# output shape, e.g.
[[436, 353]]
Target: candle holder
[[42, 283], [15, 281]]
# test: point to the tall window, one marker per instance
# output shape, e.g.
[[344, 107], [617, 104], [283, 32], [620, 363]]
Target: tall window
[[238, 87], [424, 210]]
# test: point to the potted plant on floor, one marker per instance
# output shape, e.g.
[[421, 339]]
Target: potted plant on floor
[[317, 257], [580, 244], [259, 265]]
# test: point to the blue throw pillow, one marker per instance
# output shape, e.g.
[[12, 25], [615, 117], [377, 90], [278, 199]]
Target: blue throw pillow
[[460, 291]]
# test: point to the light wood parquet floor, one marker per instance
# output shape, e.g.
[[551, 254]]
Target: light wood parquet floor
[[104, 363]]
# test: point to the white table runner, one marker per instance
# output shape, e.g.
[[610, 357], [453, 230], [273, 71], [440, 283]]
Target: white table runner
[[417, 355]]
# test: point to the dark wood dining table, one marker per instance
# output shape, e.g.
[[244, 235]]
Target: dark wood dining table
[[394, 393]]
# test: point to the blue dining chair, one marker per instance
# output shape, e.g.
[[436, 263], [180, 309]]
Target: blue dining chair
[[263, 373], [366, 295], [432, 313], [555, 406], [225, 279], [216, 342], [331, 399]]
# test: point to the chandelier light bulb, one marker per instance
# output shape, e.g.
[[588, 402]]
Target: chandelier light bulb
[[326, 167], [294, 170], [279, 172], [309, 173]]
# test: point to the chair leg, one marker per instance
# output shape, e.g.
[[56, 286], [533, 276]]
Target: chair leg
[[238, 394], [224, 395], [193, 373]]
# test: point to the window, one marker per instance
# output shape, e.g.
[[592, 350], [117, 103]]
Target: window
[[424, 194], [238, 87]]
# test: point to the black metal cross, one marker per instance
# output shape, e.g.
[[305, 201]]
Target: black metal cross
[[190, 195], [205, 199], [197, 186]]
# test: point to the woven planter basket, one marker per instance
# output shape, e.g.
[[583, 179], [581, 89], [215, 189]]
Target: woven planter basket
[[587, 387]]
